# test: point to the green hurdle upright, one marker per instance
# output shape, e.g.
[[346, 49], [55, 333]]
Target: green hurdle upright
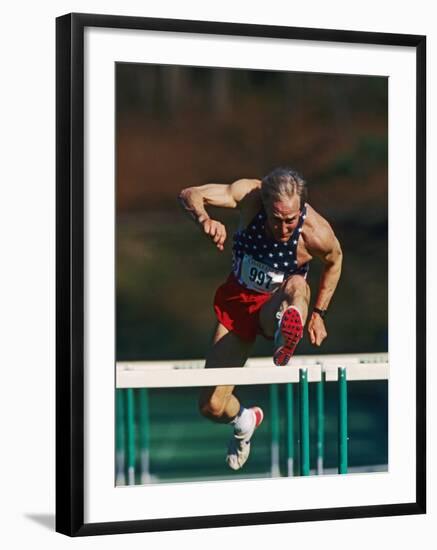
[[304, 423], [342, 421], [321, 421]]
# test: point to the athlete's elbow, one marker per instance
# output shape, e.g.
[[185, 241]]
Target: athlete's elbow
[[334, 260], [185, 197], [337, 255], [184, 194]]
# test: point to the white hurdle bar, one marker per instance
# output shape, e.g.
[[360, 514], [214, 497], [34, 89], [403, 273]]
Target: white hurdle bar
[[171, 374]]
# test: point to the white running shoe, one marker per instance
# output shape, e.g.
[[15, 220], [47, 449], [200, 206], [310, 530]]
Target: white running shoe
[[239, 444]]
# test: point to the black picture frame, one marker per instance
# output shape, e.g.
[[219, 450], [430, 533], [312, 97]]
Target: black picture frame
[[70, 273]]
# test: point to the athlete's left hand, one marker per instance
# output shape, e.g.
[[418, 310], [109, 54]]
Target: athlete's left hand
[[316, 329]]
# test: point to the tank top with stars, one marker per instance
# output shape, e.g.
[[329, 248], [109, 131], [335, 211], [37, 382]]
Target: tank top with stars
[[262, 264]]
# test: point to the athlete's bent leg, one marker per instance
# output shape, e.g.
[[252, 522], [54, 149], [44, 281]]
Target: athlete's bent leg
[[227, 350], [294, 292], [284, 317], [219, 404]]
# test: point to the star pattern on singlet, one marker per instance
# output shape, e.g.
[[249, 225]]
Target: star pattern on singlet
[[282, 256]]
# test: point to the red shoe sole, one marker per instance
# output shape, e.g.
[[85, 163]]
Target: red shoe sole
[[292, 331]]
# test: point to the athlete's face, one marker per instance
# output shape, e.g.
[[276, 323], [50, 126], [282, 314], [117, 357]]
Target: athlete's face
[[283, 217]]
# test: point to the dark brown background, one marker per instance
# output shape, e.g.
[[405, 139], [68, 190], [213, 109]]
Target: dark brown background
[[181, 126]]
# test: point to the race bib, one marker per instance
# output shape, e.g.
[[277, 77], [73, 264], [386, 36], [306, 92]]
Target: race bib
[[258, 276]]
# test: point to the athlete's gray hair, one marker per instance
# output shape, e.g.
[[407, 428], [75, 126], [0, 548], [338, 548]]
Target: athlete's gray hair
[[283, 183]]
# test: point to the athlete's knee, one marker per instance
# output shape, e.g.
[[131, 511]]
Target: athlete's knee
[[296, 286], [212, 405]]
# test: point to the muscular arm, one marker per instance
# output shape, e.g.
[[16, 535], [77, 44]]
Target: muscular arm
[[332, 261], [194, 201], [324, 245]]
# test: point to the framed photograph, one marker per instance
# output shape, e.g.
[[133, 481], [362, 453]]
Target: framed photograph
[[240, 274]]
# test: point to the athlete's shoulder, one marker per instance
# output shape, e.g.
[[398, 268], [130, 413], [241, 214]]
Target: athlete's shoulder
[[250, 204], [314, 220], [317, 232], [245, 190]]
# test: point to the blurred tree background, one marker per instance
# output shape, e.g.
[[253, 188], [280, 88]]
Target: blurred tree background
[[181, 126]]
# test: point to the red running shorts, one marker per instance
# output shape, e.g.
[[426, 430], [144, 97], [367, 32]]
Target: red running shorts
[[237, 308]]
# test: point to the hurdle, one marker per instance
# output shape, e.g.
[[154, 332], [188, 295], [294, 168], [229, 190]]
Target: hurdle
[[134, 378]]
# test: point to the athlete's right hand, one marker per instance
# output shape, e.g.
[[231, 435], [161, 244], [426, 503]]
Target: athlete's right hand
[[216, 232]]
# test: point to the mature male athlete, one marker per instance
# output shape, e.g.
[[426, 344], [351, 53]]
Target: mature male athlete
[[266, 292]]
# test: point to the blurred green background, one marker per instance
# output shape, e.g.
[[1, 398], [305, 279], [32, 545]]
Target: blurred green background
[[183, 126], [184, 446]]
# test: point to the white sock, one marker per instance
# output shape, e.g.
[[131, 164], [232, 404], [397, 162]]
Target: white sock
[[244, 421]]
